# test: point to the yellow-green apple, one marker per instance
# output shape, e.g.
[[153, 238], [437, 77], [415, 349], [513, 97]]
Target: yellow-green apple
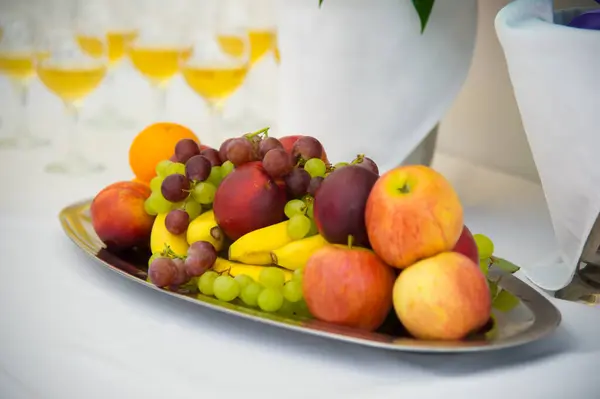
[[348, 286], [467, 246], [444, 297], [412, 213]]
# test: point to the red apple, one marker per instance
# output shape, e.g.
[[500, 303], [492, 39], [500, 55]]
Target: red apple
[[467, 246], [445, 297], [412, 213], [348, 286], [247, 200]]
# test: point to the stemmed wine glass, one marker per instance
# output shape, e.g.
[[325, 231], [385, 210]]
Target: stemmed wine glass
[[103, 27], [17, 62], [71, 74], [219, 62]]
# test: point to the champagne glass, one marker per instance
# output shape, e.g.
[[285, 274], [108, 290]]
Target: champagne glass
[[218, 65], [156, 52], [17, 62], [71, 75], [102, 27]]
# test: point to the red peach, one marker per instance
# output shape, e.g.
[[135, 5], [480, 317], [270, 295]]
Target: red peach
[[467, 246], [247, 200], [444, 297], [118, 215], [348, 286]]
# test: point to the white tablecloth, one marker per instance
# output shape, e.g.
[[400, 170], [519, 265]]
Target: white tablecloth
[[71, 329]]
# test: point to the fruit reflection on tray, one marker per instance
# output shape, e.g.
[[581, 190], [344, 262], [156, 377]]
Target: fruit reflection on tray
[[269, 226]]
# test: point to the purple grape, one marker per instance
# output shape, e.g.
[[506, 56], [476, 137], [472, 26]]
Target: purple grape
[[162, 272], [278, 163], [587, 20], [240, 151], [314, 185], [268, 144], [198, 168], [297, 182], [177, 221], [223, 150], [201, 256], [181, 277], [185, 149], [212, 155], [175, 188], [307, 147]]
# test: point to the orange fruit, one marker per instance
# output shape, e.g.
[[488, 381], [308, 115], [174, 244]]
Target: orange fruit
[[154, 144]]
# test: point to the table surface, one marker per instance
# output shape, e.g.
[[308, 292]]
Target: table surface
[[71, 329]]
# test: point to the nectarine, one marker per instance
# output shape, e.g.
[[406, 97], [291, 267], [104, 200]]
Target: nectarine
[[412, 213], [349, 287], [444, 297], [467, 246], [118, 215]]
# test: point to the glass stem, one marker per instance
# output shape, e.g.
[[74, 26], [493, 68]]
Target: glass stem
[[73, 136], [161, 101], [215, 115], [22, 89]]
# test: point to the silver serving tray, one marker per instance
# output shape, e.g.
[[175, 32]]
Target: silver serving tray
[[532, 319]]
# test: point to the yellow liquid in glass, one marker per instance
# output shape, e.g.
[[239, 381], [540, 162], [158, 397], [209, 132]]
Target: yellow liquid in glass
[[214, 83], [117, 43], [17, 65], [71, 83], [260, 44], [158, 64]]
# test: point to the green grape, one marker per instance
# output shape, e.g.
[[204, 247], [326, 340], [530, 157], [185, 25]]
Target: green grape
[[315, 167], [204, 193], [485, 246], [156, 183], [157, 202], [177, 205], [206, 282], [294, 207], [287, 308], [292, 291], [298, 227], [226, 168], [149, 209], [250, 293], [302, 309], [298, 275], [313, 229], [270, 300], [176, 168], [243, 280], [311, 211], [340, 165], [193, 209], [484, 265], [272, 277], [226, 288], [162, 168], [215, 176]]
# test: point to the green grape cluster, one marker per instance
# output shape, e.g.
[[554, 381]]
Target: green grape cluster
[[301, 218], [271, 293], [186, 185]]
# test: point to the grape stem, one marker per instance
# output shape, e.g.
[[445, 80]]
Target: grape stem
[[350, 241], [259, 132], [359, 159]]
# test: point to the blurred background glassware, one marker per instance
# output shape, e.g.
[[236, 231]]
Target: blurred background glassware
[[219, 62], [71, 75], [106, 26], [162, 41], [17, 63]]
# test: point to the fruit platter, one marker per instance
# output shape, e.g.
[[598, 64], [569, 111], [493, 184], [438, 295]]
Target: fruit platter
[[269, 229]]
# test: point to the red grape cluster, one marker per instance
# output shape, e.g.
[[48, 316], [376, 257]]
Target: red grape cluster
[[167, 270]]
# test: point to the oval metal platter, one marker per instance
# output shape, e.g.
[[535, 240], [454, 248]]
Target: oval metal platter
[[533, 318]]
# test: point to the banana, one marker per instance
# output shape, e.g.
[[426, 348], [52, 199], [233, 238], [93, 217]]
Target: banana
[[295, 255], [160, 237], [205, 228], [235, 269], [255, 247]]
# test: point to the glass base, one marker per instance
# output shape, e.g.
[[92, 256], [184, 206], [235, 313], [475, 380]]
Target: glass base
[[110, 118], [23, 142], [74, 166]]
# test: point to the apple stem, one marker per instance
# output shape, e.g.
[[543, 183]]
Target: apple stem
[[350, 241], [404, 189], [258, 132]]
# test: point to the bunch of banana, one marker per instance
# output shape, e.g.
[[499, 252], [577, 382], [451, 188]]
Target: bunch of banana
[[235, 269], [272, 246], [205, 228]]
